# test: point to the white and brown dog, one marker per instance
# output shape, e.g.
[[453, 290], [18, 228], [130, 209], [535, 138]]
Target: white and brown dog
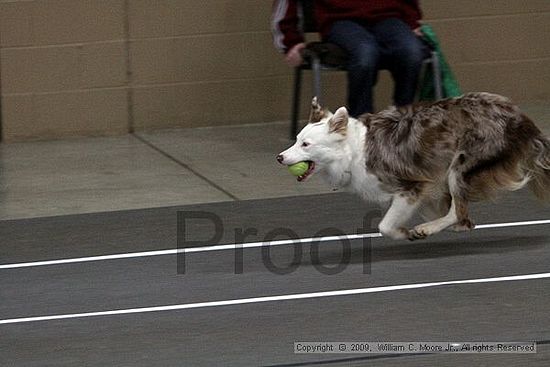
[[432, 158]]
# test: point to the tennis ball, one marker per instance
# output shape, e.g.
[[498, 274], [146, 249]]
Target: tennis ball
[[298, 169]]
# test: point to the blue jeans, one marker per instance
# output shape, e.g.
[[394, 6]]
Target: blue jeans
[[389, 44]]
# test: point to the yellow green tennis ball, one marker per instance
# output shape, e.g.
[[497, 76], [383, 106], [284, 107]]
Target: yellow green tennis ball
[[298, 169]]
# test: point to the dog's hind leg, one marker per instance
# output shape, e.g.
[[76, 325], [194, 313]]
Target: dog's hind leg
[[450, 220], [464, 223], [401, 210], [434, 208], [456, 217]]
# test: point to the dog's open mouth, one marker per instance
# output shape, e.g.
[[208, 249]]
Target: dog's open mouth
[[310, 169]]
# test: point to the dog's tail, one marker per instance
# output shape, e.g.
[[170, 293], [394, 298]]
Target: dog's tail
[[540, 168]]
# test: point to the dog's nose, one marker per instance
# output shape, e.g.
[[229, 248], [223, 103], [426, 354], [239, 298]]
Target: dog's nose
[[280, 159]]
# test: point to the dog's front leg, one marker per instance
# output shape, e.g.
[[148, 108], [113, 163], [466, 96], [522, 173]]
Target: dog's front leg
[[401, 210]]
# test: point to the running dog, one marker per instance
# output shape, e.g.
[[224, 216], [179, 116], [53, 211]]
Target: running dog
[[432, 158]]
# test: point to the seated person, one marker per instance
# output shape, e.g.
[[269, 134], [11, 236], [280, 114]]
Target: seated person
[[376, 34]]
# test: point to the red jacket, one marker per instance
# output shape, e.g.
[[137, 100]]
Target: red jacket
[[286, 16]]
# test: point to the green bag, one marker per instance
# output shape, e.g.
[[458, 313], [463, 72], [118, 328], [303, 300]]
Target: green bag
[[449, 83]]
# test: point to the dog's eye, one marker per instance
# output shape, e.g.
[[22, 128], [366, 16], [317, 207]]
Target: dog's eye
[[305, 144]]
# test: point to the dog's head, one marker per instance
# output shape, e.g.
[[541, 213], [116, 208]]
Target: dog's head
[[320, 143]]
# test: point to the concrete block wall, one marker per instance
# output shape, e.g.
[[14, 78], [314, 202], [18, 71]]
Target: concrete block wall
[[63, 68], [498, 45], [201, 63], [101, 67]]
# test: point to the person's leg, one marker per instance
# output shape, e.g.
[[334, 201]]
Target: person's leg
[[402, 53], [362, 66]]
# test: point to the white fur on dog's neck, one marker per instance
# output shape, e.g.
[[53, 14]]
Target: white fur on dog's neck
[[350, 172]]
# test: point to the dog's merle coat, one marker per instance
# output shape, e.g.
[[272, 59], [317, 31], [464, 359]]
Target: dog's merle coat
[[431, 157]]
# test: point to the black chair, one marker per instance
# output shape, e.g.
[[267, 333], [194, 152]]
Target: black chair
[[325, 56]]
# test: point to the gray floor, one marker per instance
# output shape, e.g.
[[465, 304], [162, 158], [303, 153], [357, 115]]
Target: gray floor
[[100, 196], [174, 167], [262, 334]]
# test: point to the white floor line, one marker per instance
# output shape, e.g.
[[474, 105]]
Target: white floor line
[[237, 246], [287, 297]]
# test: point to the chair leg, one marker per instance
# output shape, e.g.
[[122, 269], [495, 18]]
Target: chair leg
[[316, 70], [438, 88], [296, 102]]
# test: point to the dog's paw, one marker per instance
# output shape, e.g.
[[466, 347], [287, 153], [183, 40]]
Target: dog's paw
[[463, 226], [418, 233], [396, 234]]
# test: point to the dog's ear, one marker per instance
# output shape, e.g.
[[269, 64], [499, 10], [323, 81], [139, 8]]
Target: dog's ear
[[338, 123], [317, 113]]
